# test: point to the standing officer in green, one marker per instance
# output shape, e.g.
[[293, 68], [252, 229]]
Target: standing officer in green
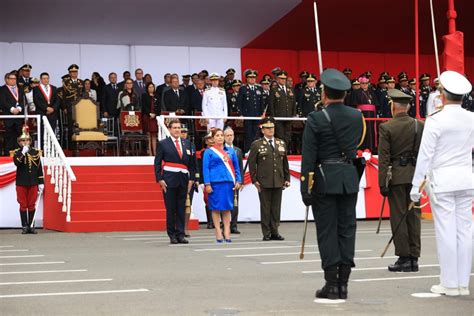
[[270, 173], [72, 88], [282, 103], [330, 141], [398, 147]]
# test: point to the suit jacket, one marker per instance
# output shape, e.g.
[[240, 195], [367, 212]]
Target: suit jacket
[[41, 103], [214, 169], [195, 100], [146, 105], [109, 100], [137, 88], [167, 152], [240, 158], [7, 101], [173, 103]]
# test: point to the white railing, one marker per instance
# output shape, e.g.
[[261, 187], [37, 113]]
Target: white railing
[[163, 131], [58, 167]]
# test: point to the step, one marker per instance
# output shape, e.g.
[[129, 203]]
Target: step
[[122, 225], [117, 196], [113, 187], [116, 177], [138, 214], [80, 170], [117, 205]]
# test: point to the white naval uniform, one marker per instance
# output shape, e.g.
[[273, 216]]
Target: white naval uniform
[[446, 154], [434, 102], [214, 103]]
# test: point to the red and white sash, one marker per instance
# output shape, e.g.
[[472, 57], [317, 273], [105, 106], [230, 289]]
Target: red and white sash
[[46, 97], [225, 159], [16, 95]]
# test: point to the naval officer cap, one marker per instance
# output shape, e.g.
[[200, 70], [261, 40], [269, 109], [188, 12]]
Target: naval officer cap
[[214, 76], [334, 79], [455, 83], [399, 97]]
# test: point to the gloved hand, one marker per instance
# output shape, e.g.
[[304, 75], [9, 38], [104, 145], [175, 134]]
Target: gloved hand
[[25, 150], [307, 198], [415, 194], [40, 188], [384, 191]]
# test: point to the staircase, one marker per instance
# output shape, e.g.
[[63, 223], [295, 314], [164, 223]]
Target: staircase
[[111, 198]]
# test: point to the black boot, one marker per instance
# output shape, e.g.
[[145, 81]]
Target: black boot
[[24, 222], [31, 216], [344, 273], [414, 264], [331, 289], [403, 264]]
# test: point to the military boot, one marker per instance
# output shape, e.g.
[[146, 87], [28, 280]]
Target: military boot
[[344, 273], [414, 264], [24, 222], [403, 264], [31, 226], [331, 289]]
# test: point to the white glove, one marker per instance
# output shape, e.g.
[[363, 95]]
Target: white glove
[[415, 194], [40, 188], [25, 150]]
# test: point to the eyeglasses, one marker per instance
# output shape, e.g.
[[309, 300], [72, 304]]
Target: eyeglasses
[[12, 78]]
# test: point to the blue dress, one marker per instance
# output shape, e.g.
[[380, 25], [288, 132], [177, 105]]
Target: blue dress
[[217, 174]]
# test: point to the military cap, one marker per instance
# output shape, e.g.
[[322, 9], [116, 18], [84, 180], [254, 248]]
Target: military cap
[[73, 67], [455, 83], [347, 71], [208, 135], [250, 73], [186, 76], [267, 122], [390, 80], [355, 82], [214, 76], [276, 70], [205, 72], [399, 97], [26, 67], [264, 81], [311, 77], [368, 74], [384, 74], [66, 76], [230, 71], [282, 74], [35, 80], [402, 78], [382, 79], [184, 128], [304, 74], [236, 82], [424, 77], [412, 81], [336, 80], [402, 74]]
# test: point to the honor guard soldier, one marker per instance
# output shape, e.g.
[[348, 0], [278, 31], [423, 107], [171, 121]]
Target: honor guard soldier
[[73, 88], [399, 142], [24, 79], [232, 106], [29, 179], [425, 90], [330, 141], [282, 103], [309, 97], [250, 103], [270, 173], [445, 161], [214, 103]]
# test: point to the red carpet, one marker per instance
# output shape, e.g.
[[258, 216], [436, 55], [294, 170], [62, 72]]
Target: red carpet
[[110, 198]]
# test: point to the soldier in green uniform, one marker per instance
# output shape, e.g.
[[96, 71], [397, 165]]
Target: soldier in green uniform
[[330, 141], [310, 95], [270, 173], [398, 147], [282, 103], [73, 88]]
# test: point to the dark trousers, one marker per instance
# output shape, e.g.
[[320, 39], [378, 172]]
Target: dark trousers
[[283, 131], [12, 132], [335, 219], [251, 129], [235, 215], [370, 140], [270, 208], [175, 200], [407, 241]]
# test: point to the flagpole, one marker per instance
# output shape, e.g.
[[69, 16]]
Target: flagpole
[[417, 61], [435, 42], [318, 41]]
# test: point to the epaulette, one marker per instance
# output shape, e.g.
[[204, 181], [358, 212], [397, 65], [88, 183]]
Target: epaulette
[[280, 140], [257, 140], [435, 112]]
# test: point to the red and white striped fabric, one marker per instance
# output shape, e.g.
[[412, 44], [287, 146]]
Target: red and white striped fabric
[[7, 171]]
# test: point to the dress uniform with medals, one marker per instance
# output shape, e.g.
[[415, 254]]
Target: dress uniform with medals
[[29, 179], [232, 98], [73, 89], [265, 83], [270, 173], [214, 103], [229, 79], [399, 142], [250, 103], [330, 142], [301, 85], [25, 82], [309, 97], [445, 160]]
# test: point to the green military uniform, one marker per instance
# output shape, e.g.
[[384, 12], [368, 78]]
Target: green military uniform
[[398, 147], [282, 103], [269, 167], [328, 151], [72, 92]]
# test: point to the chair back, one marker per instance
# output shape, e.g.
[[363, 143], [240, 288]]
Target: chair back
[[86, 114]]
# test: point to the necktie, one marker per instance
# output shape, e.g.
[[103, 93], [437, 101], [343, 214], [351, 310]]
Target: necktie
[[46, 89], [14, 89], [178, 148], [114, 86], [202, 92], [140, 84], [177, 93], [270, 141]]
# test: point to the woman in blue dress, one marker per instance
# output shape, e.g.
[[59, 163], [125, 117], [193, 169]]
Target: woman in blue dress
[[222, 177]]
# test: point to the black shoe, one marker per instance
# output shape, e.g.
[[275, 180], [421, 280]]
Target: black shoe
[[182, 241], [403, 264], [32, 230], [266, 238], [343, 279], [277, 237], [414, 264], [210, 226], [173, 241], [234, 231], [331, 289], [187, 235], [24, 230]]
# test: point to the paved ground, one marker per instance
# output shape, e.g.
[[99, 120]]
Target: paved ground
[[139, 273]]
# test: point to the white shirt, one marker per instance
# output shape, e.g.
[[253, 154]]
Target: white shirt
[[214, 102], [446, 150], [93, 94]]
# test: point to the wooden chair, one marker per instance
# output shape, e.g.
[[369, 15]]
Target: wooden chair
[[131, 131], [89, 133]]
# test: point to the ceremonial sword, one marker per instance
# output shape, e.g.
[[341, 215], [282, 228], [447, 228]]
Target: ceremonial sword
[[310, 186]]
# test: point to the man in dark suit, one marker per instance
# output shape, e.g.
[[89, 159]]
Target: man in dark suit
[[126, 75], [330, 142], [193, 86], [175, 172], [109, 99], [138, 84], [175, 99], [195, 98], [229, 142], [45, 97], [159, 89], [12, 103]]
